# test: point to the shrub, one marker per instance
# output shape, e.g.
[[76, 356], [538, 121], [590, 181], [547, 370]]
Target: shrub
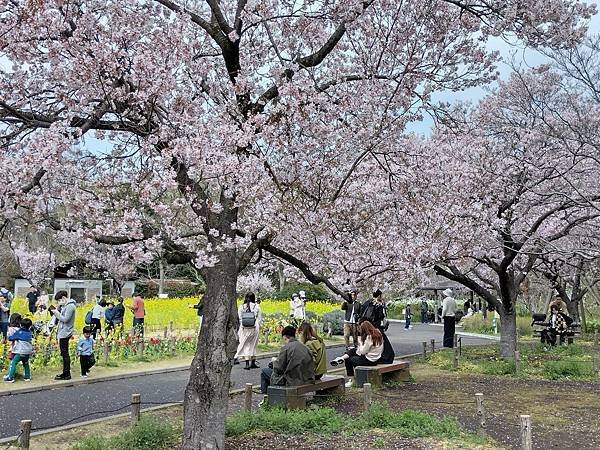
[[477, 324], [336, 318], [313, 292], [556, 370], [148, 434]]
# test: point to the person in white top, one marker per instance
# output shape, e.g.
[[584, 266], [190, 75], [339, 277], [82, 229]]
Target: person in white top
[[448, 313], [367, 353], [297, 306], [250, 317], [97, 316]]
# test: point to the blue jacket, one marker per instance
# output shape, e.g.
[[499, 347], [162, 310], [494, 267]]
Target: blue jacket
[[85, 346], [109, 314], [22, 339]]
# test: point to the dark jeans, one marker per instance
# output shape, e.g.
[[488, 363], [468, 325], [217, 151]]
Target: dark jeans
[[4, 330], [138, 326], [549, 337], [407, 324], [449, 329], [355, 361], [265, 379], [86, 362], [424, 317], [96, 327], [63, 344], [32, 308]]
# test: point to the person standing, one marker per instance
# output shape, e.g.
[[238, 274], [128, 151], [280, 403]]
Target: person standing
[[85, 351], [424, 311], [448, 313], [407, 317], [97, 316], [32, 298], [352, 314], [199, 307], [297, 307], [109, 312], [4, 315], [373, 310], [137, 308], [250, 317], [65, 318], [118, 316]]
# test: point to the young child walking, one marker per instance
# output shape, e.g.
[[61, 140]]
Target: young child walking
[[85, 351], [22, 349]]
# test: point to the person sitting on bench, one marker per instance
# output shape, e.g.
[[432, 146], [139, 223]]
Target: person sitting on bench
[[557, 326], [368, 352], [294, 366]]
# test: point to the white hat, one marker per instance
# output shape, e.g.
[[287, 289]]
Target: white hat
[[447, 292], [302, 294], [294, 295]]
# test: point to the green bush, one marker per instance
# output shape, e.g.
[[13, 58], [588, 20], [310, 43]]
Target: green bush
[[313, 292], [556, 370], [477, 324], [337, 321], [148, 434]]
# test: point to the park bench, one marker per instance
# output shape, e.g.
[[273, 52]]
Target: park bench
[[376, 375], [538, 323], [295, 396]]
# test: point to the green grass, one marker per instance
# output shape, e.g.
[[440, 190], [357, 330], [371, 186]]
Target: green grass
[[327, 420], [149, 434], [561, 362]]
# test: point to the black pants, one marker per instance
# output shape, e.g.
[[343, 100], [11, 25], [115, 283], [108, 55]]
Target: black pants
[[355, 361], [86, 362], [96, 327], [549, 337], [63, 344], [449, 329]]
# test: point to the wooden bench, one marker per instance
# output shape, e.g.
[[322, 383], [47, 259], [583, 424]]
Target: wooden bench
[[295, 396], [573, 331], [376, 375]]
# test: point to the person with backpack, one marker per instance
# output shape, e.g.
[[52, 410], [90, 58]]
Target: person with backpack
[[373, 310], [65, 319], [96, 317], [22, 350], [118, 315], [250, 317]]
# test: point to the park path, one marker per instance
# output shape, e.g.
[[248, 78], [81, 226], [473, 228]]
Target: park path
[[56, 407]]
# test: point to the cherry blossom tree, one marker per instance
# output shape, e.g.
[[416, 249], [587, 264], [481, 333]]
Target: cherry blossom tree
[[210, 131]]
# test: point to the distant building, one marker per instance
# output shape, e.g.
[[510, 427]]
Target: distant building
[[79, 290], [21, 287]]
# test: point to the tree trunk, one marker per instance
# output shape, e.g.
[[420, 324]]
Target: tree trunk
[[207, 393], [281, 276], [573, 310], [161, 277], [508, 332], [582, 315]]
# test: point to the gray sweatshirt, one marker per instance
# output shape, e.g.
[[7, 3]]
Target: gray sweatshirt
[[65, 319]]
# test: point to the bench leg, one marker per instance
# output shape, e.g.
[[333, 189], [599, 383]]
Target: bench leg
[[338, 390], [368, 376], [295, 401], [569, 340]]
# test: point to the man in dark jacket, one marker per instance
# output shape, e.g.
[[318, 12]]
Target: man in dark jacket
[[352, 314], [293, 367], [117, 316]]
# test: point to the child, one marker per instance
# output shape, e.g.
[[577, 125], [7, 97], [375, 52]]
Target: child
[[85, 351], [108, 318], [22, 350], [13, 325], [41, 317]]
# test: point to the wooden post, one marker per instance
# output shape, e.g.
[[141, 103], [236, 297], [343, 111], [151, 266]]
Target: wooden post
[[480, 414], [248, 397], [455, 356], [424, 349], [140, 348], [329, 329], [517, 363], [595, 363], [173, 344], [433, 346], [595, 338], [105, 350], [135, 408], [526, 433], [166, 332], [171, 327], [367, 395], [23, 440]]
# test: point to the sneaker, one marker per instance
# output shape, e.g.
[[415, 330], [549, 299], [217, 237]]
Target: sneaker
[[263, 402], [83, 376], [339, 361], [8, 380], [349, 383], [62, 377], [27, 379]]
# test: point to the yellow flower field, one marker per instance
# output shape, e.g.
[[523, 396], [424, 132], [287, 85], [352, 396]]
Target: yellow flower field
[[161, 311]]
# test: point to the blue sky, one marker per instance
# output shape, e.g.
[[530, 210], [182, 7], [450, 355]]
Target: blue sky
[[525, 56]]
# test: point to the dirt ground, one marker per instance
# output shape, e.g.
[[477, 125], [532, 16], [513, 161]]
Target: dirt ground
[[565, 414]]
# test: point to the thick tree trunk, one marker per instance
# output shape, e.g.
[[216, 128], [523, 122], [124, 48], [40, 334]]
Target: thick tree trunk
[[281, 276], [508, 332], [573, 310], [207, 392]]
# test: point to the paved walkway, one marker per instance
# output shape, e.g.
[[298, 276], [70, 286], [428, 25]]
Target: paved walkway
[[72, 404]]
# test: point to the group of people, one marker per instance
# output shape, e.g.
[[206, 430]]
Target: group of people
[[19, 331], [302, 359]]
